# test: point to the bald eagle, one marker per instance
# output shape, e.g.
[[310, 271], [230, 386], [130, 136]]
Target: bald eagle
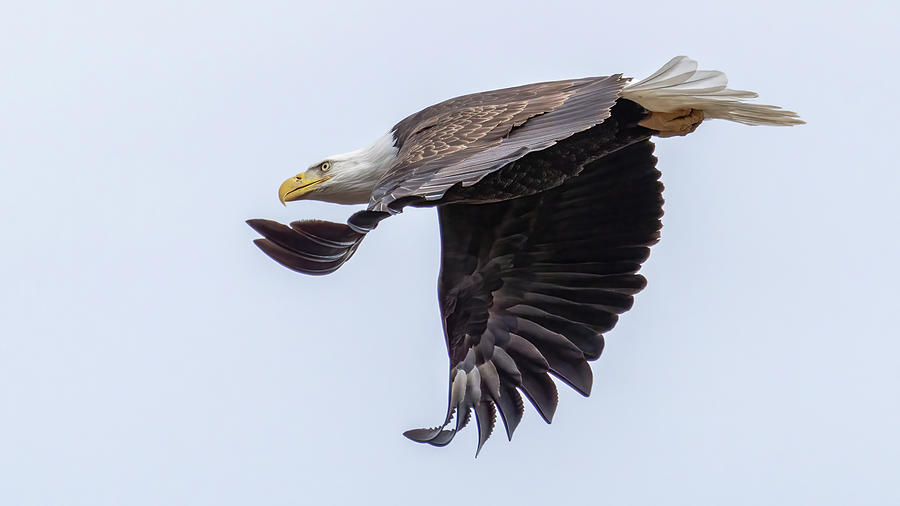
[[548, 199]]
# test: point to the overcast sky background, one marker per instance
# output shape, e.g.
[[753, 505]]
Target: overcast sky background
[[150, 354]]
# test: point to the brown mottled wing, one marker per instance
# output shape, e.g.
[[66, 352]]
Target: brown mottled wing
[[528, 287], [460, 140], [464, 139]]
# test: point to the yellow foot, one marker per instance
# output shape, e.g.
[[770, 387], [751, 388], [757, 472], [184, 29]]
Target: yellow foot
[[670, 124]]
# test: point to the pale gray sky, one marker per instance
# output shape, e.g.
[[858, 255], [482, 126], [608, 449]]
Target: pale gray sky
[[150, 354]]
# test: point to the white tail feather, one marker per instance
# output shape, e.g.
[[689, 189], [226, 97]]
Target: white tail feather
[[679, 85]]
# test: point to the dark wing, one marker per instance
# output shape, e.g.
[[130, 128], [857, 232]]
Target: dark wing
[[529, 286], [464, 139]]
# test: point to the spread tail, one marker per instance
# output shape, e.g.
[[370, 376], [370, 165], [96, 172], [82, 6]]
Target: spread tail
[[679, 85]]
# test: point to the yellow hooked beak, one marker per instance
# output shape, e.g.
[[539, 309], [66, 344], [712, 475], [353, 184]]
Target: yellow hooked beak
[[296, 187]]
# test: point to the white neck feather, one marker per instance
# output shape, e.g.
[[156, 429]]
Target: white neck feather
[[354, 174]]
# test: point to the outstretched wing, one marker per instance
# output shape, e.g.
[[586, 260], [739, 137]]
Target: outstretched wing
[[464, 139], [529, 286]]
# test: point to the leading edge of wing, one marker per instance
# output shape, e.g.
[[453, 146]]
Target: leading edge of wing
[[589, 106]]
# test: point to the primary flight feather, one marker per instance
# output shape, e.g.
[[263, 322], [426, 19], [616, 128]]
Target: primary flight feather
[[548, 199]]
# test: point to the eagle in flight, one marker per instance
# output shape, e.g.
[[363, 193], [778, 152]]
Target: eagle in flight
[[548, 199]]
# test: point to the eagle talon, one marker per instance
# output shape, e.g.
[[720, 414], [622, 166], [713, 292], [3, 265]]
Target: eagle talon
[[670, 124]]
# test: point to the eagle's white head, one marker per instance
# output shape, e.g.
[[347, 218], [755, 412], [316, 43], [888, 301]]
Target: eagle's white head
[[348, 178]]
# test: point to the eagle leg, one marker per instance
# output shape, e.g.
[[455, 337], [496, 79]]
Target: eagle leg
[[670, 124]]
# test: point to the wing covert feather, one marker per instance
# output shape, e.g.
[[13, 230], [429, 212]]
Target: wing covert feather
[[465, 139]]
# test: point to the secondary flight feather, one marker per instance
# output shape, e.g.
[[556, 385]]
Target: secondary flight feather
[[548, 199]]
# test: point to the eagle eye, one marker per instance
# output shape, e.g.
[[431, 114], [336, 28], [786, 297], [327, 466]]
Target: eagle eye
[[325, 166]]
